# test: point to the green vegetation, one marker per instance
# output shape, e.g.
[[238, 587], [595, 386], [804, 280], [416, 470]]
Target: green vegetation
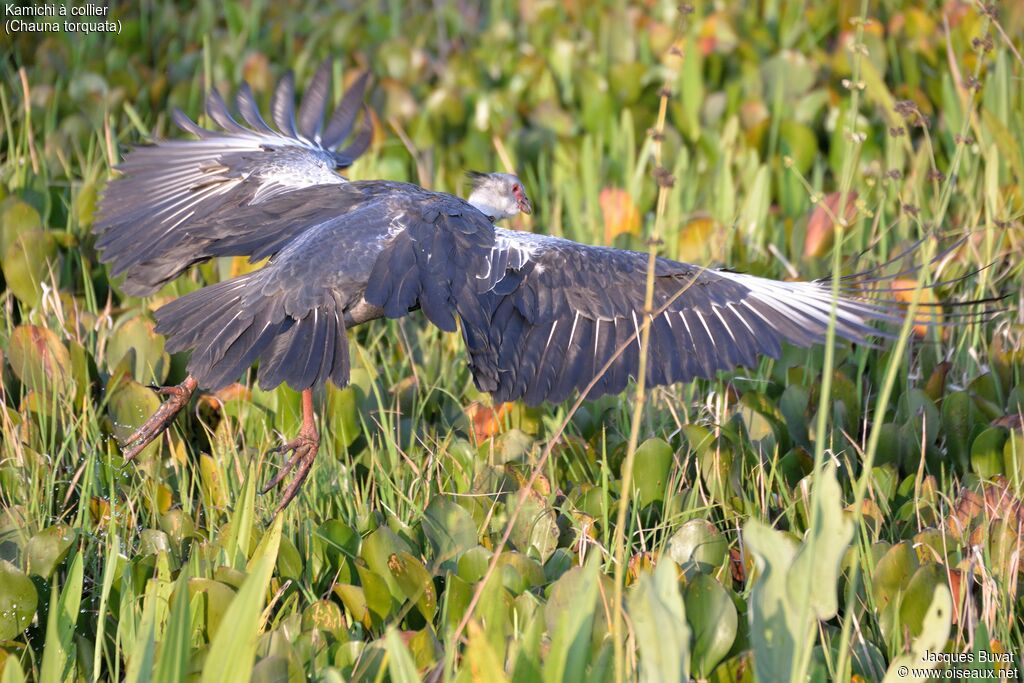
[[827, 516]]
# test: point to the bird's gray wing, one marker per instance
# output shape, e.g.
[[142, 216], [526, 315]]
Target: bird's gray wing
[[411, 249], [175, 198], [431, 261], [558, 311]]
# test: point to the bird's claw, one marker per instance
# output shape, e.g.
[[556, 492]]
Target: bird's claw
[[159, 421], [304, 448]]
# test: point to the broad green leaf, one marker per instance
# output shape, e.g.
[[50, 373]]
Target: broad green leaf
[[449, 528], [651, 471], [570, 637], [658, 613], [796, 584], [713, 620], [18, 601], [934, 634]]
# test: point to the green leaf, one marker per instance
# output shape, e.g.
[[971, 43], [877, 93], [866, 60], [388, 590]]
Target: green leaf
[[698, 546], [233, 649], [659, 619], [18, 601], [713, 619], [176, 646], [236, 546], [450, 530], [935, 627], [796, 584], [401, 666], [40, 361], [570, 636], [59, 649], [651, 471], [416, 582]]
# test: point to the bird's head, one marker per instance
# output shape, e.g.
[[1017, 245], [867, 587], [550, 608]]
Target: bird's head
[[498, 195]]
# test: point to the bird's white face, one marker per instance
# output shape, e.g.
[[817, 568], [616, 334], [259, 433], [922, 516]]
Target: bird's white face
[[498, 195]]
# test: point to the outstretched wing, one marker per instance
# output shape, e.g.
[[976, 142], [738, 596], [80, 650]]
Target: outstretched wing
[[558, 312], [176, 202], [411, 249]]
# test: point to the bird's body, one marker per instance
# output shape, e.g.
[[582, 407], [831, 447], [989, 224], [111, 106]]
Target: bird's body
[[542, 317]]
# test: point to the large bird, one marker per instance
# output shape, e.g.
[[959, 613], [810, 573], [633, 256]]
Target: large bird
[[541, 316]]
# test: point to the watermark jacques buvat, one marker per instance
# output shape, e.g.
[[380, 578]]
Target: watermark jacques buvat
[[50, 17], [979, 665]]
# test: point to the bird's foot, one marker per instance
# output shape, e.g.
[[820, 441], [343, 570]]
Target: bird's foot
[[178, 397], [303, 448]]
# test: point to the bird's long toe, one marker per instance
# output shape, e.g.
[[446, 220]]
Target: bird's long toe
[[157, 423], [304, 448]]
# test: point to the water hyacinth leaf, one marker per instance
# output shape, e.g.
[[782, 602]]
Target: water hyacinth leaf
[[17, 218], [796, 584], [136, 337], [11, 669], [738, 669], [30, 261], [415, 581], [130, 404], [449, 528], [40, 360], [698, 545], [48, 548], [917, 597], [233, 649], [214, 598], [324, 615], [18, 600], [473, 564], [481, 658], [651, 474], [379, 599], [957, 419], [570, 628], [377, 550], [987, 453], [658, 613], [713, 620], [354, 600], [935, 627], [891, 575], [536, 529]]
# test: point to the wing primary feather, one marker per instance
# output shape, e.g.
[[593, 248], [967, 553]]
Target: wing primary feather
[[314, 102], [283, 106]]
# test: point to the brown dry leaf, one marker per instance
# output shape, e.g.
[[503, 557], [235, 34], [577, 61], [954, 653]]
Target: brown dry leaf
[[820, 226], [620, 213], [486, 421], [930, 314], [641, 562]]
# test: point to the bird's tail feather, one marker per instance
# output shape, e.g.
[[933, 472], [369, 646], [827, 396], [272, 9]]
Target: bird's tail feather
[[231, 325]]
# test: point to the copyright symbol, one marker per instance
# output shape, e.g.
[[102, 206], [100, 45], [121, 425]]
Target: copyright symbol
[[903, 671]]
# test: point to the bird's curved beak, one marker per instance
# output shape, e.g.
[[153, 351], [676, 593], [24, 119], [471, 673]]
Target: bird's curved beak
[[521, 200]]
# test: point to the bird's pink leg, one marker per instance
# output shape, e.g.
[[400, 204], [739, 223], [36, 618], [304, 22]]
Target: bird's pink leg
[[304, 448], [158, 422]]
